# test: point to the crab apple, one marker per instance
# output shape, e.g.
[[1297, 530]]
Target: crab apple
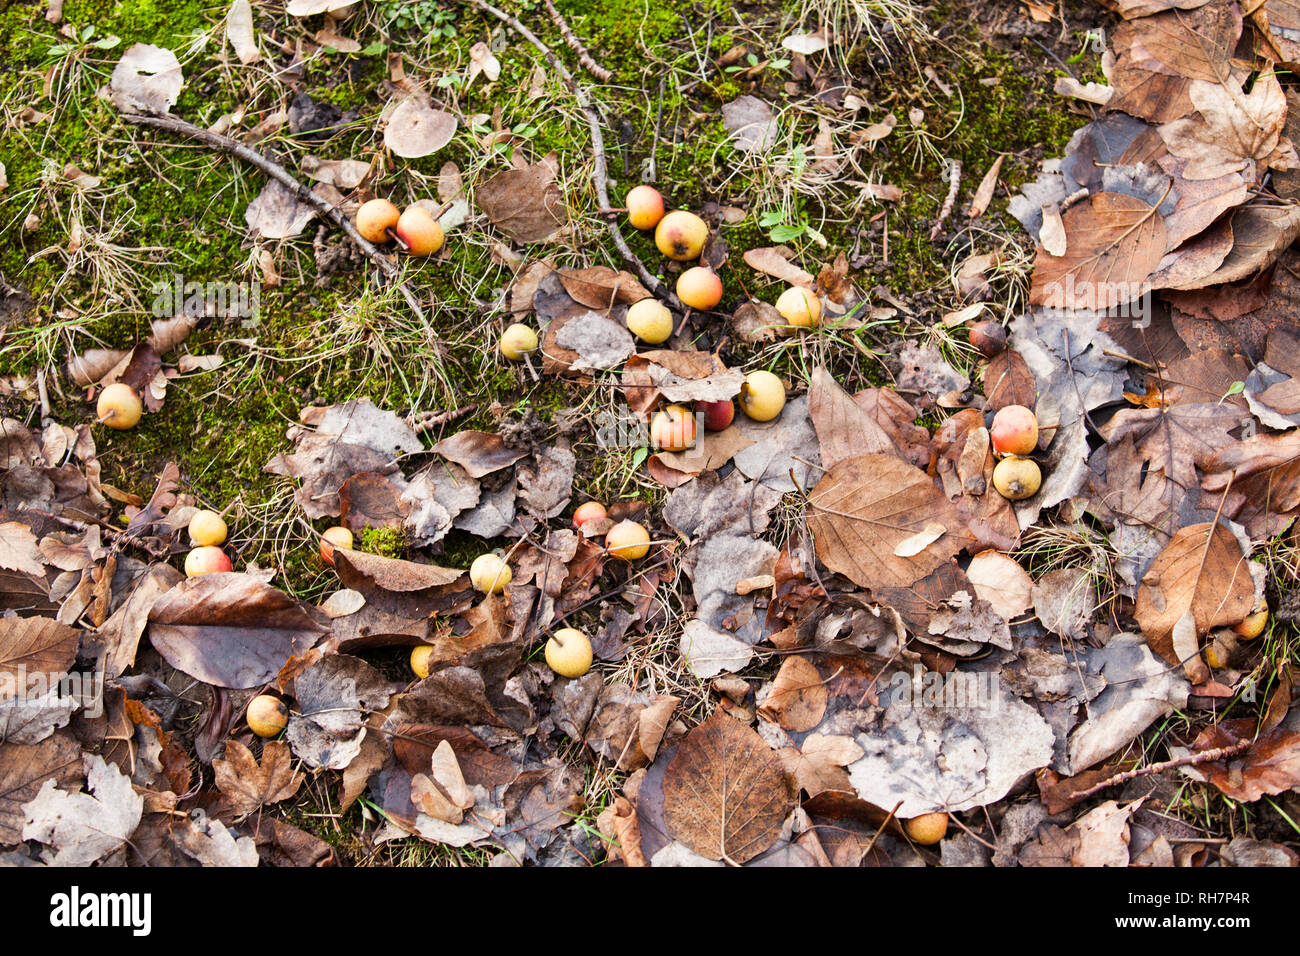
[[762, 396], [717, 415], [988, 337], [335, 537], [650, 321], [490, 574], [800, 306], [207, 527], [267, 715], [588, 512], [420, 232], [645, 207], [568, 652], [1252, 626], [681, 235], [1014, 431], [673, 429], [375, 218], [699, 288], [517, 341], [205, 560], [927, 829], [420, 655], [119, 406], [1017, 478], [627, 541]]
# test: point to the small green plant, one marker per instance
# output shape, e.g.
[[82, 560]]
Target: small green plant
[[752, 60], [426, 16], [83, 42], [781, 230]]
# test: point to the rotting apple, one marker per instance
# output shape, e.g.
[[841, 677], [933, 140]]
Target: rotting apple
[[762, 396], [490, 574], [419, 231], [673, 428], [988, 337], [206, 560], [119, 406], [1017, 478], [681, 235], [645, 207], [517, 341], [650, 321], [699, 288], [717, 415], [627, 541], [207, 528], [1014, 430], [375, 218], [568, 652], [800, 306], [267, 715], [331, 538]]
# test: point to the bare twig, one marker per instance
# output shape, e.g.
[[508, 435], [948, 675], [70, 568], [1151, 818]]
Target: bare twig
[[277, 172], [600, 176], [954, 185], [427, 421], [585, 58], [1205, 756]]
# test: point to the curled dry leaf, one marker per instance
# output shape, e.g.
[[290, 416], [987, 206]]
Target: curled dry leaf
[[249, 785], [479, 453], [81, 828], [1002, 582], [774, 262], [525, 204]]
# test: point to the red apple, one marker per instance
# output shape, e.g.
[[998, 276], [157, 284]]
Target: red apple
[[717, 415]]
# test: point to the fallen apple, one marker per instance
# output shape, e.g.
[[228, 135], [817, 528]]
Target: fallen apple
[[1252, 626], [1017, 478], [673, 429], [588, 513], [988, 337], [645, 207], [681, 235], [375, 218], [699, 288], [762, 396], [927, 829], [119, 406], [335, 537], [650, 321], [627, 541], [420, 232], [800, 306], [568, 652], [517, 341], [717, 415], [1014, 431], [205, 560], [267, 715], [420, 655], [490, 574], [207, 528]]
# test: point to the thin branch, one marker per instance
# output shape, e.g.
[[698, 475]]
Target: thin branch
[[277, 172], [1205, 756], [585, 58]]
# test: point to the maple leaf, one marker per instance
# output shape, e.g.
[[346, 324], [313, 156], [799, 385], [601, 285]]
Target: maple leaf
[[249, 785]]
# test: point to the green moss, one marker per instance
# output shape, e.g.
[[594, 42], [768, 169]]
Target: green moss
[[388, 542]]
